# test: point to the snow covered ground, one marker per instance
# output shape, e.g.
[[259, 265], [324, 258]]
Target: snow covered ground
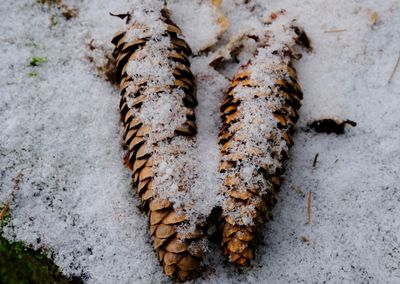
[[59, 128]]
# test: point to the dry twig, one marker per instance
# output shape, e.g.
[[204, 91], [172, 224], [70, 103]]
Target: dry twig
[[315, 160], [4, 211], [335, 31], [309, 197], [394, 69]]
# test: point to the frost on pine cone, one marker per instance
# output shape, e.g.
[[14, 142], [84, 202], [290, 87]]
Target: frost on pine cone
[[258, 114], [157, 101]]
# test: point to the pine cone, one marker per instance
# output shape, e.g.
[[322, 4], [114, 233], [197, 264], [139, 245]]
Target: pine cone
[[157, 101], [258, 114]]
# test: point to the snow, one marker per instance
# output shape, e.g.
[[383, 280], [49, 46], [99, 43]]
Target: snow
[[208, 17], [61, 130]]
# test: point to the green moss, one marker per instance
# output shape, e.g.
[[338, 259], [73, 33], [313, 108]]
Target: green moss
[[21, 265], [33, 74], [37, 61]]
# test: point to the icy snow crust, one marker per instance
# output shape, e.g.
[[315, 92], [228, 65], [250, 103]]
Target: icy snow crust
[[61, 130]]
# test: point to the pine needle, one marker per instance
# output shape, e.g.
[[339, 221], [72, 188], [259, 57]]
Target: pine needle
[[315, 160], [335, 31], [309, 197], [394, 69]]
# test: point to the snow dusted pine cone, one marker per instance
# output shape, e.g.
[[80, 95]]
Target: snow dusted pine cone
[[258, 114], [157, 101]]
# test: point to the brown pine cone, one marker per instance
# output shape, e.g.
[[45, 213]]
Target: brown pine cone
[[259, 112], [157, 101]]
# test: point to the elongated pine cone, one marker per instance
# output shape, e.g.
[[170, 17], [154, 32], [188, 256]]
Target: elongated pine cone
[[258, 114], [157, 101]]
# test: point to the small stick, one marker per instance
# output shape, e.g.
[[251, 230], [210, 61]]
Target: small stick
[[394, 69], [16, 180], [4, 211], [335, 31], [315, 160], [309, 196]]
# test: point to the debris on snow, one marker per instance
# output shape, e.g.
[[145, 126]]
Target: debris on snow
[[103, 61], [330, 125], [394, 69], [373, 18], [190, 15], [309, 207], [335, 31], [305, 240], [314, 164], [230, 51], [6, 205], [67, 11]]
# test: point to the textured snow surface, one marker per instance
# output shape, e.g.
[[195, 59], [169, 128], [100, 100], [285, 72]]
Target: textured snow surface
[[206, 16], [61, 130]]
